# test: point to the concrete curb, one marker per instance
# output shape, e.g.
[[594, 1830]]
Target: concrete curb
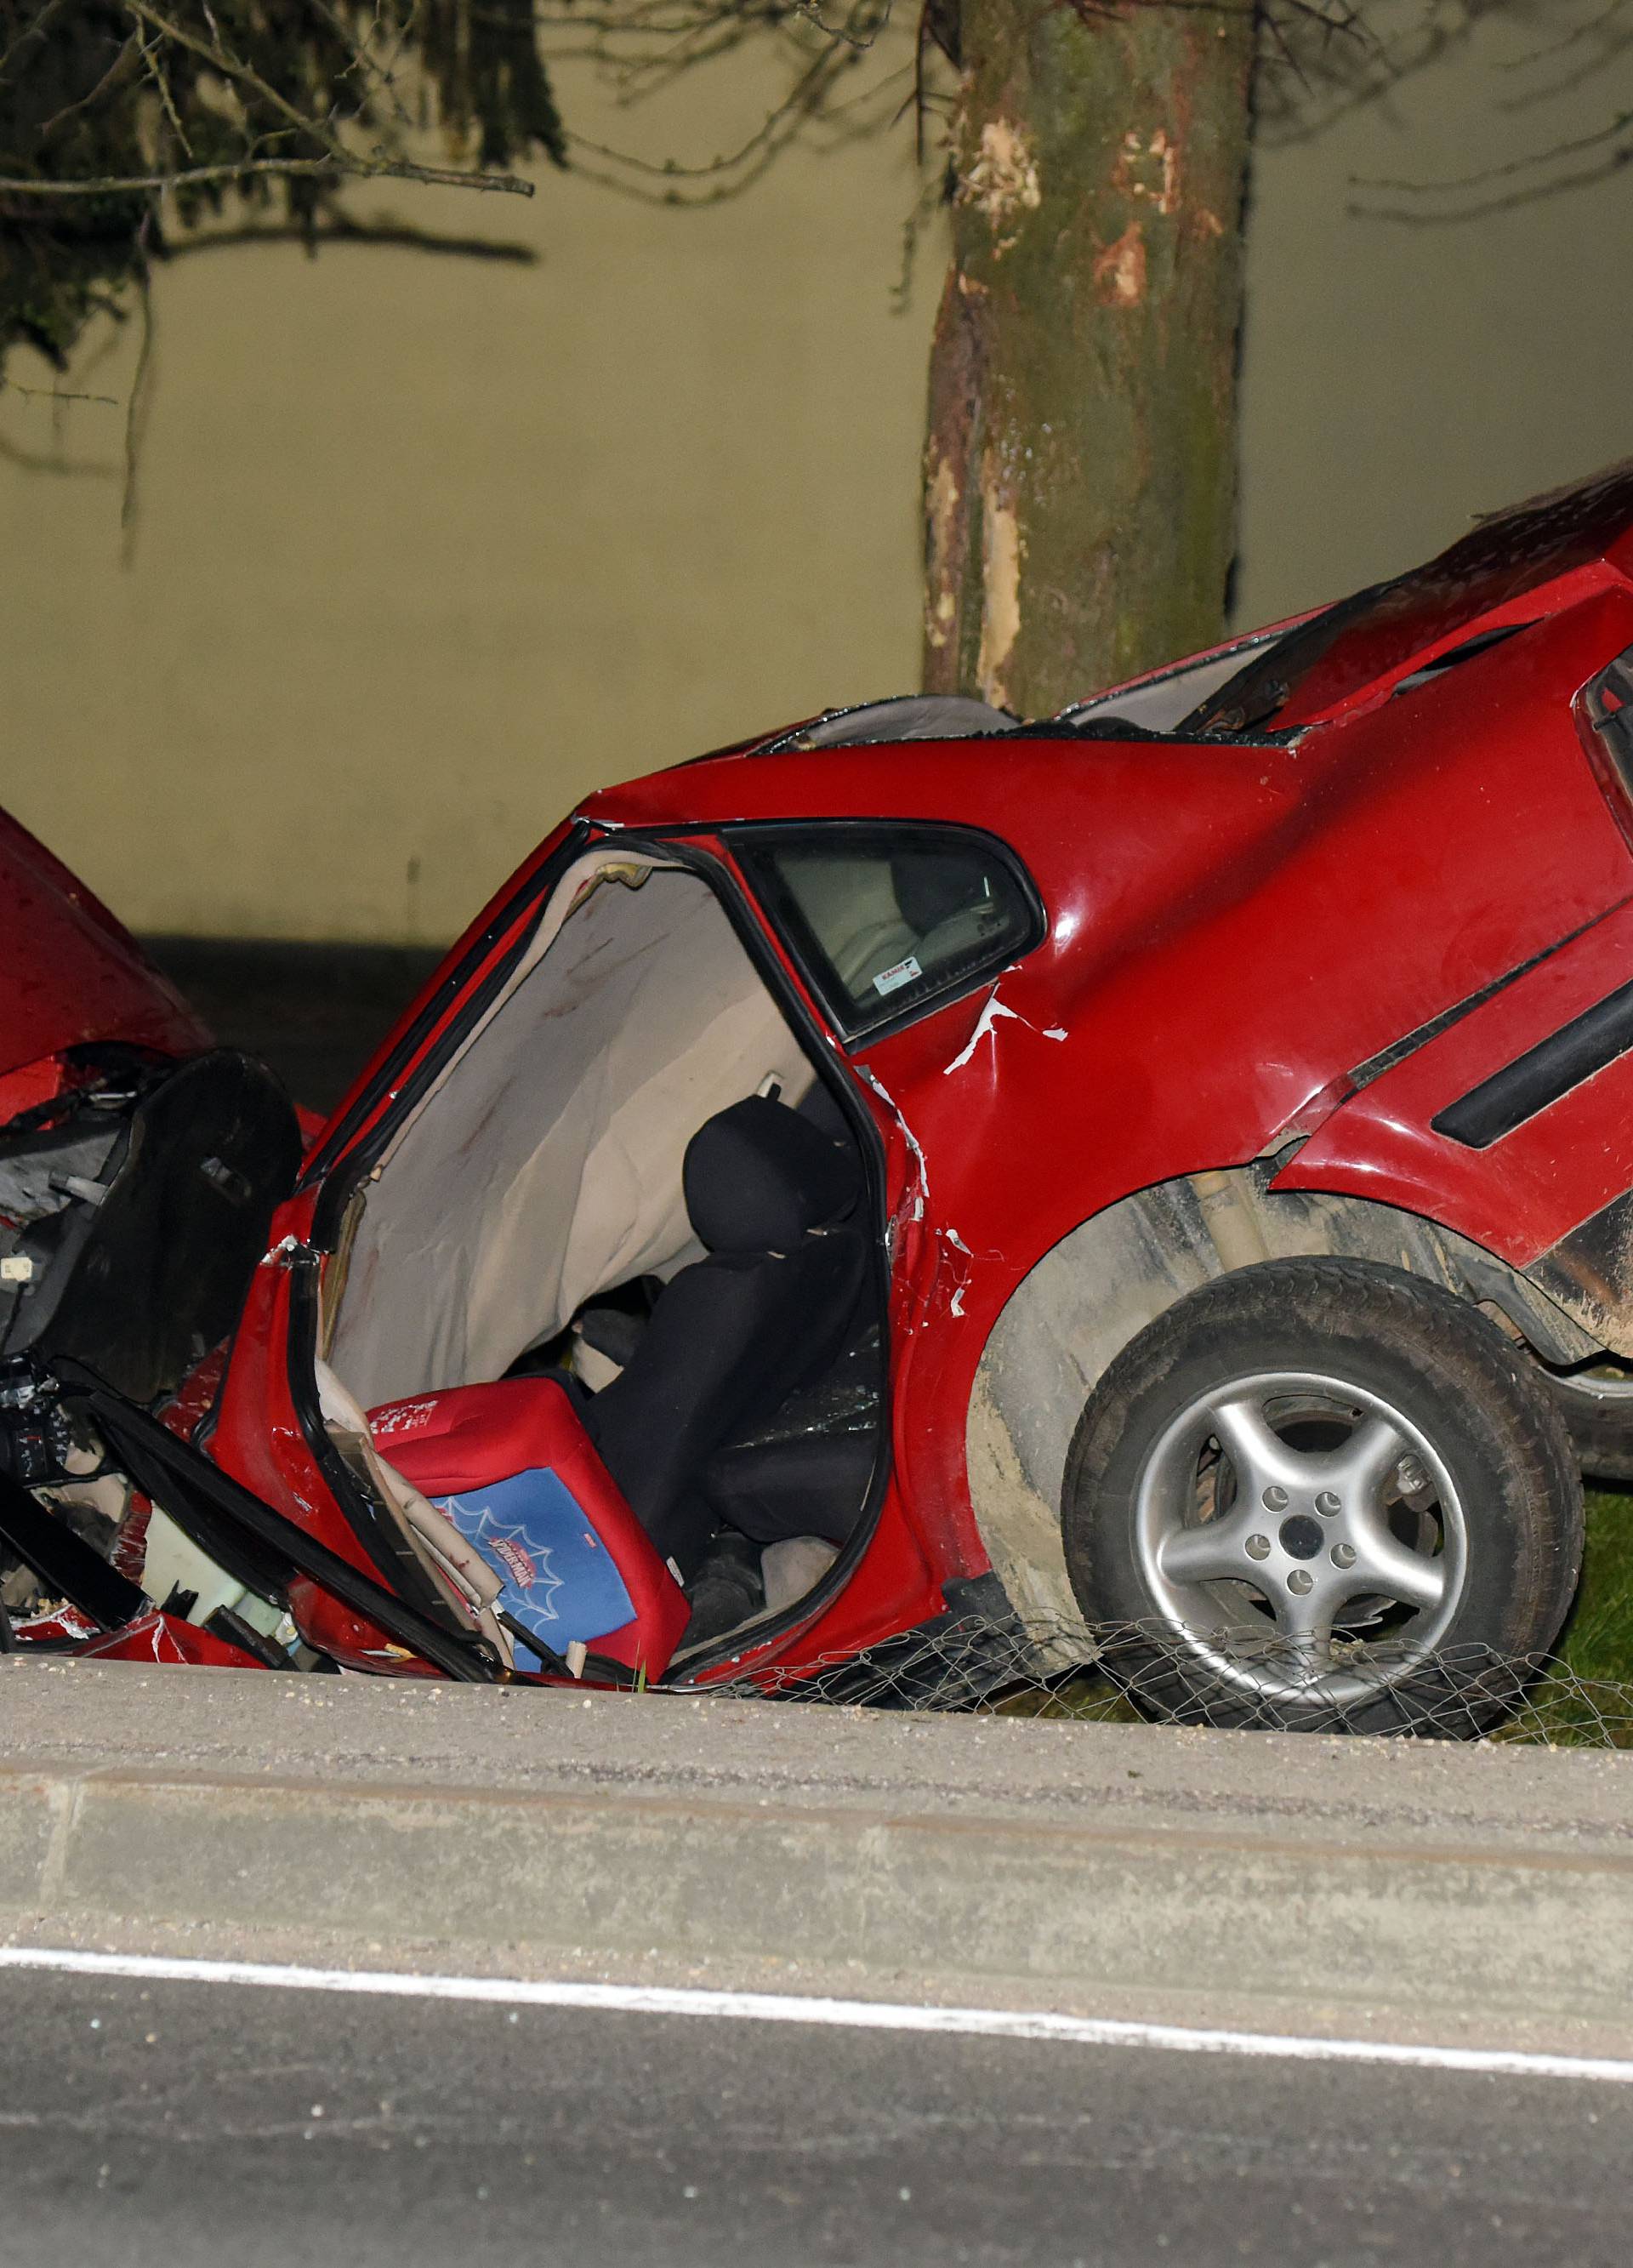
[[1339, 1882]]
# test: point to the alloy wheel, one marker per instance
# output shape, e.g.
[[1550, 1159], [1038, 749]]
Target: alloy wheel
[[1301, 1529]]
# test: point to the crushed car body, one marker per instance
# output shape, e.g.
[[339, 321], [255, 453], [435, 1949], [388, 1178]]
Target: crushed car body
[[1170, 1165]]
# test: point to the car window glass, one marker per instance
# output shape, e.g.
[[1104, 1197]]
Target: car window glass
[[885, 920]]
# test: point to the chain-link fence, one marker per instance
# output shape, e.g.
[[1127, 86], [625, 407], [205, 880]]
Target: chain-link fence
[[1250, 1679]]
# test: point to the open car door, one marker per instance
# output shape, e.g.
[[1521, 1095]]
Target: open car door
[[604, 1149]]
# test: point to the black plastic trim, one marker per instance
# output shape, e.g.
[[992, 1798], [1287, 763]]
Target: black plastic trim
[[65, 1562], [1409, 1043], [203, 1500], [234, 1630], [1542, 1075], [1110, 728]]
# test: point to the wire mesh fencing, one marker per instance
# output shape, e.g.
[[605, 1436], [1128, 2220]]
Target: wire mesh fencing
[[1246, 1679]]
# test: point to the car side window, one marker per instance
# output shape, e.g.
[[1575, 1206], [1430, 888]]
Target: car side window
[[887, 920]]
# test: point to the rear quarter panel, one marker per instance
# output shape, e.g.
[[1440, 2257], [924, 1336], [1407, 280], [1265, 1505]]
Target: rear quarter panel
[[1234, 931]]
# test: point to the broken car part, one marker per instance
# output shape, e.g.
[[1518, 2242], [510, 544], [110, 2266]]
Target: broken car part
[[1311, 953]]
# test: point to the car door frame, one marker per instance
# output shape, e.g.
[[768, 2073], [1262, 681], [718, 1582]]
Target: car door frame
[[414, 1054]]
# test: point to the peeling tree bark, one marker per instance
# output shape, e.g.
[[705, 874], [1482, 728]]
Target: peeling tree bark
[[1079, 473]]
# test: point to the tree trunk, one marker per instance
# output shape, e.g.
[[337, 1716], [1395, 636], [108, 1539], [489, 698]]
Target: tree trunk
[[1080, 469]]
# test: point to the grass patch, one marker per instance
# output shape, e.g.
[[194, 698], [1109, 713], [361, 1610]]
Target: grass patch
[[1598, 1638], [1086, 1699], [1595, 1648]]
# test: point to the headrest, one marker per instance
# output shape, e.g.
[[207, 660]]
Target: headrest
[[757, 1177], [931, 887]]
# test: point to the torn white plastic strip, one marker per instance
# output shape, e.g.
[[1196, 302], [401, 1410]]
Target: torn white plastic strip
[[955, 1243], [991, 1015], [852, 2015], [984, 1026]]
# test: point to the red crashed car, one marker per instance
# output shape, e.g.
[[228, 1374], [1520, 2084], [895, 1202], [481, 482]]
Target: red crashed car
[[1171, 1165]]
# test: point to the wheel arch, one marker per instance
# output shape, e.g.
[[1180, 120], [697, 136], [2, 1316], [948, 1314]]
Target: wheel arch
[[1104, 1281]]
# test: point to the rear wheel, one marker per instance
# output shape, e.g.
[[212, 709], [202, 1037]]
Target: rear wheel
[[1329, 1496]]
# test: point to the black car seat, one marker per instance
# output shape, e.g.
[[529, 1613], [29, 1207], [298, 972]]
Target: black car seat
[[777, 1205], [949, 905]]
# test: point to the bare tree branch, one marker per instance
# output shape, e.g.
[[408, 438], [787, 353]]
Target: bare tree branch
[[362, 62], [339, 228], [31, 33], [136, 424], [122, 62], [344, 167], [54, 394], [155, 70], [127, 125], [241, 74]]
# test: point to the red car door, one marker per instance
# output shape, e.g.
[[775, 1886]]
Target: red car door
[[268, 1431]]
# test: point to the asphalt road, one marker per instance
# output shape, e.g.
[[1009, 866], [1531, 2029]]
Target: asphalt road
[[187, 2122]]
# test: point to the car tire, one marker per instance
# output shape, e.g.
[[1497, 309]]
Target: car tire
[[1323, 1495], [1596, 1402]]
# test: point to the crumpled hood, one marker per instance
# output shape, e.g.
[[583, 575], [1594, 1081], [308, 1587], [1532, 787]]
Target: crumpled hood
[[69, 972]]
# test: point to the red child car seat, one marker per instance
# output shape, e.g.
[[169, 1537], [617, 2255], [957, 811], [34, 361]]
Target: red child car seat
[[514, 1471]]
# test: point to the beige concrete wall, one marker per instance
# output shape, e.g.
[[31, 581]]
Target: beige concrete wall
[[1399, 380], [427, 547]]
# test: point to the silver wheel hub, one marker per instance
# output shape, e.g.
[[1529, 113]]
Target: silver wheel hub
[[1282, 1514]]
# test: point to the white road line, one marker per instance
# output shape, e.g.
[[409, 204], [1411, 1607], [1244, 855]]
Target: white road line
[[791, 2009]]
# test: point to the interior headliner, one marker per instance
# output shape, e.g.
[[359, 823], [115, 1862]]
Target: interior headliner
[[544, 1165]]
